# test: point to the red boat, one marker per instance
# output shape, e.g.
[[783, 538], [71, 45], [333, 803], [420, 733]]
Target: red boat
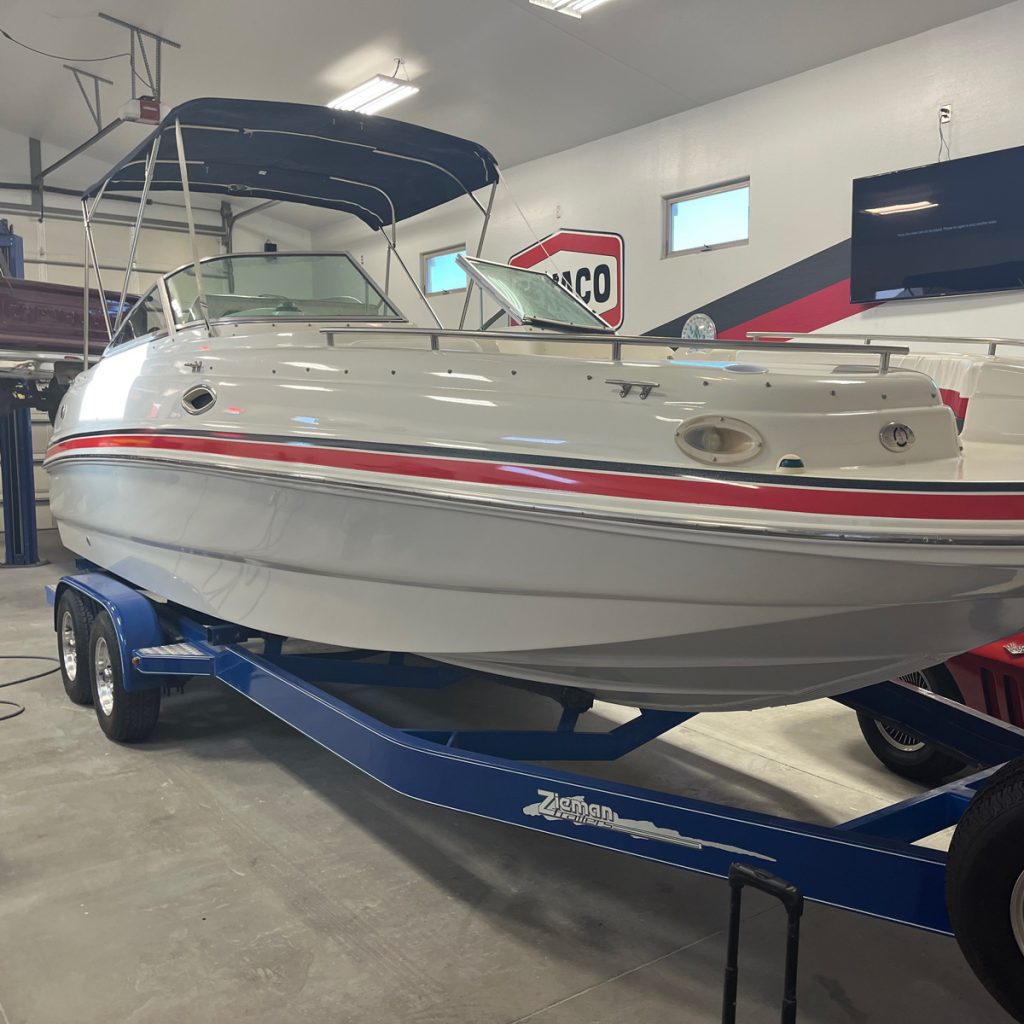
[[989, 679]]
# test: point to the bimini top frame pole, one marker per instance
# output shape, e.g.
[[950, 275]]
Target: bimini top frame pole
[[393, 249], [204, 306], [91, 254], [288, 152], [90, 245], [150, 164], [478, 253]]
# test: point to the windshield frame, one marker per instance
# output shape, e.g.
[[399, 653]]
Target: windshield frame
[[398, 318], [470, 264], [167, 331]]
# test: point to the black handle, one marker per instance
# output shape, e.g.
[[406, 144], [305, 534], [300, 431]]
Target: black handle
[[757, 878], [741, 875]]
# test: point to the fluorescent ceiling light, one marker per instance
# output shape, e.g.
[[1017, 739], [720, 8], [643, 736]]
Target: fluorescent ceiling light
[[373, 96], [902, 208], [574, 8]]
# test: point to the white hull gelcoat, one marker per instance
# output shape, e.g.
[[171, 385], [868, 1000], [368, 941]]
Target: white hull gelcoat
[[651, 613], [277, 448]]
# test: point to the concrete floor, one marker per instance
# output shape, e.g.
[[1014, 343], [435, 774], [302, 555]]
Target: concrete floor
[[232, 871]]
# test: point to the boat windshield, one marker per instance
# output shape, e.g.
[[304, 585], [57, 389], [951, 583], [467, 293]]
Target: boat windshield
[[532, 297], [278, 286]]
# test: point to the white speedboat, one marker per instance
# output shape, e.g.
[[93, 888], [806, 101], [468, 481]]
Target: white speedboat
[[269, 440]]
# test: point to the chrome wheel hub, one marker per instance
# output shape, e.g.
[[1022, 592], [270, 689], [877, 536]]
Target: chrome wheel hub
[[1017, 912], [68, 646], [104, 673], [899, 736]]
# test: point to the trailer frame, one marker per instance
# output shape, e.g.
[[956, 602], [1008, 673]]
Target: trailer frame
[[869, 865]]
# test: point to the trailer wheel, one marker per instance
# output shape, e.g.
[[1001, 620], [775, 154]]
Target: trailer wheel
[[75, 614], [985, 886], [124, 715], [900, 750]]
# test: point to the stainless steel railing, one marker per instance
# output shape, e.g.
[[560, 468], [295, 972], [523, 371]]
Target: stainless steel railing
[[617, 341], [869, 339]]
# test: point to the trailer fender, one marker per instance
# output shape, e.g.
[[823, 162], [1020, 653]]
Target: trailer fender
[[135, 621]]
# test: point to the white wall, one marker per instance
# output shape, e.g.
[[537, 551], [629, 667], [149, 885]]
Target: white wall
[[801, 141], [250, 234]]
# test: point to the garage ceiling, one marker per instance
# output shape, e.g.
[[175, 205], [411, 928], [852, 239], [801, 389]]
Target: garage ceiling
[[521, 80]]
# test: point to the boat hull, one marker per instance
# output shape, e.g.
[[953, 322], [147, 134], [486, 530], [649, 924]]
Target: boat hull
[[647, 613]]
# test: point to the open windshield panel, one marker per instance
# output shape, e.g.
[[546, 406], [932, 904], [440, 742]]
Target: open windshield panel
[[532, 297], [278, 286]]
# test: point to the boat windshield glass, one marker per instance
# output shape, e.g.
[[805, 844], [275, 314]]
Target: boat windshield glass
[[279, 286], [532, 297], [145, 318]]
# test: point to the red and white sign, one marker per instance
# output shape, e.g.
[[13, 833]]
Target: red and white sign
[[590, 263]]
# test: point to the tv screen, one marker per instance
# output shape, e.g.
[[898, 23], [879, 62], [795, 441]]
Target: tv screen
[[951, 228]]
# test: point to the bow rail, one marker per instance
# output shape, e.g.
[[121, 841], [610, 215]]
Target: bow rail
[[617, 342], [869, 339]]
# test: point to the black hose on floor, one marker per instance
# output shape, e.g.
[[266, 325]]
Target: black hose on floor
[[20, 708]]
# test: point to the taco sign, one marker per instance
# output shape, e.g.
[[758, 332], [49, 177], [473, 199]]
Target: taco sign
[[590, 263]]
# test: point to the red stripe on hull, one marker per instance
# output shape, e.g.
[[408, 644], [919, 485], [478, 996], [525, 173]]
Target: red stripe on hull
[[695, 491]]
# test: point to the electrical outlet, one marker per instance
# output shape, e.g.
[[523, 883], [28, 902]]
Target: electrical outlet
[[945, 113]]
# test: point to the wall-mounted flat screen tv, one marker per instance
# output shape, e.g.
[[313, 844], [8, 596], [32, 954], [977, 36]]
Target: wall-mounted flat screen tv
[[950, 228]]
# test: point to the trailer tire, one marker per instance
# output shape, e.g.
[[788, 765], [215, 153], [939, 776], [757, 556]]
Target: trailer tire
[[900, 750], [985, 886], [126, 716], [75, 614]]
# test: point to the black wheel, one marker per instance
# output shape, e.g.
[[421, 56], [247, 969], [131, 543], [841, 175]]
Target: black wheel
[[985, 886], [125, 716], [74, 620], [900, 750]]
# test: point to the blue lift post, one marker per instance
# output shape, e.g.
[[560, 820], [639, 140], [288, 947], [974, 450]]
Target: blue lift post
[[21, 537], [868, 865]]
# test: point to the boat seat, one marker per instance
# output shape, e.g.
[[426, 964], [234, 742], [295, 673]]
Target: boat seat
[[219, 306], [222, 306], [957, 374], [952, 371]]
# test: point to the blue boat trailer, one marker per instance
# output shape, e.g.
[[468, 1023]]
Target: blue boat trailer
[[869, 865]]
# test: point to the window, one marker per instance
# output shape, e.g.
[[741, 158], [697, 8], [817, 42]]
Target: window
[[147, 317], [279, 286], [440, 271], [711, 218]]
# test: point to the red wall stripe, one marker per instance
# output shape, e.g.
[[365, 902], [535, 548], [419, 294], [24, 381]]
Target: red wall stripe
[[808, 313]]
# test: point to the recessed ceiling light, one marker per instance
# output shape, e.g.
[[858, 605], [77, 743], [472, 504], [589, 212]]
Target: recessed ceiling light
[[574, 8], [375, 94]]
